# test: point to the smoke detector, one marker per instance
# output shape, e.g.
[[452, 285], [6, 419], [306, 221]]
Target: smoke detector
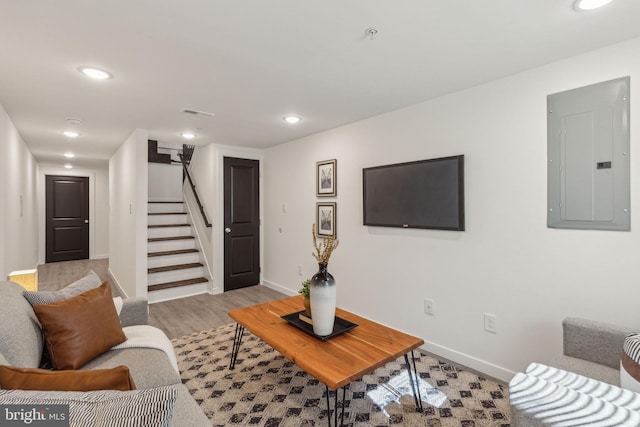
[[371, 32]]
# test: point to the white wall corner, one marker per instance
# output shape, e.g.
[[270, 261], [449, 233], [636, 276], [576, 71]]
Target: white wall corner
[[128, 179], [141, 209]]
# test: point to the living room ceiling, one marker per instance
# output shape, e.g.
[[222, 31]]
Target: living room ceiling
[[252, 62]]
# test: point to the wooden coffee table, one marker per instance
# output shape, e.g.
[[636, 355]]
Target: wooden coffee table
[[337, 361]]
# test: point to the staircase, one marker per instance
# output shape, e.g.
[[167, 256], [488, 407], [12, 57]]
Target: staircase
[[175, 269]]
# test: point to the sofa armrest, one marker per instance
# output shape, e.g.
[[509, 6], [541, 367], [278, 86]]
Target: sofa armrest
[[594, 341], [135, 311]]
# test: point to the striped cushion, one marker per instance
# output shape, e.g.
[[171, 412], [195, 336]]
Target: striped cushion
[[632, 346], [140, 408], [630, 363]]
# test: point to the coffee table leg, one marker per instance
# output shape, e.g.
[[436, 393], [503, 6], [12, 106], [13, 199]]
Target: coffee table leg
[[414, 379], [335, 406], [237, 340]]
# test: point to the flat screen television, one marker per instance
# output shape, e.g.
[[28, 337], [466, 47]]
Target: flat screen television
[[421, 194]]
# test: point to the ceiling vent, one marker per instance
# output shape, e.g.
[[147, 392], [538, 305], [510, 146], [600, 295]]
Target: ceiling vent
[[197, 113]]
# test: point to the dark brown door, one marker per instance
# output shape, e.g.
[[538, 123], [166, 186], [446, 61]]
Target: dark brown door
[[67, 214], [242, 223]]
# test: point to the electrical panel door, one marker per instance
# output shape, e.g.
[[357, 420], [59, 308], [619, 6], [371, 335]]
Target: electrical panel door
[[588, 157]]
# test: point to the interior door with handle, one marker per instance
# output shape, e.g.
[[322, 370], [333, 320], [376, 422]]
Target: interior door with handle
[[67, 218], [241, 223]]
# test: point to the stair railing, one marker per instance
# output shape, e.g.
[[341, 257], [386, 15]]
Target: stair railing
[[185, 157]]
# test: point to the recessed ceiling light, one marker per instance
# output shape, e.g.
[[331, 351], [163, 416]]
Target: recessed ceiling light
[[188, 135], [69, 155], [292, 119], [71, 134], [68, 166], [95, 73], [590, 4]]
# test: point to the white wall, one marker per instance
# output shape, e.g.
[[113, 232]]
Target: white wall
[[3, 184], [128, 174], [507, 262], [165, 182], [18, 204], [202, 170], [98, 207], [101, 213]]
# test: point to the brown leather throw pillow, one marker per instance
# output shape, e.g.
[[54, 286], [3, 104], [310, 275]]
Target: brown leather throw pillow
[[118, 378], [80, 328]]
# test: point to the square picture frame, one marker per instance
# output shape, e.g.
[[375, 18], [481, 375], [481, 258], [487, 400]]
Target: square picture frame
[[326, 178], [326, 219]]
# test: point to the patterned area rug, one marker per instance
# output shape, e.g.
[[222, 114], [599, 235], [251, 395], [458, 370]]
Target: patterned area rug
[[265, 389]]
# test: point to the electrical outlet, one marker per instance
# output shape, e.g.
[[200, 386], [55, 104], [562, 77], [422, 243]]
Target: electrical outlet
[[490, 323], [428, 306], [299, 270]]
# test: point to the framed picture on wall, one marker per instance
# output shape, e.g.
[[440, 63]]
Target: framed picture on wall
[[326, 184], [326, 219]]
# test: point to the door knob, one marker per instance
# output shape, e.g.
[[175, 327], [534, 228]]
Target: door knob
[[227, 230], [86, 221]]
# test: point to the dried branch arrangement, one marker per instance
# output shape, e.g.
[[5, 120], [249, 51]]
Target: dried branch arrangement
[[325, 248]]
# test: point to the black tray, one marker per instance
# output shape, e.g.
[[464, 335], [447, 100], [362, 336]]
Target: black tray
[[339, 326]]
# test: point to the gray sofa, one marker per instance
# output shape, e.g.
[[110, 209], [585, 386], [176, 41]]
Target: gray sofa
[[21, 345], [593, 351]]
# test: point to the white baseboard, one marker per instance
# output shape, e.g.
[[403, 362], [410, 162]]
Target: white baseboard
[[100, 256], [117, 284], [278, 288], [482, 366]]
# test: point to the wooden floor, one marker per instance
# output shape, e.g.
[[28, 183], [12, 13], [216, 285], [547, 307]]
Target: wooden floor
[[176, 318], [57, 275], [201, 312]]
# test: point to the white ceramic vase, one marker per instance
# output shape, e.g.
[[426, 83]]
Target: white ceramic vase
[[323, 301]]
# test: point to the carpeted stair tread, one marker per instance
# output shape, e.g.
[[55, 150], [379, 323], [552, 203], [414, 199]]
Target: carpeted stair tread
[[165, 202], [162, 239], [168, 225], [176, 252], [174, 267], [176, 284]]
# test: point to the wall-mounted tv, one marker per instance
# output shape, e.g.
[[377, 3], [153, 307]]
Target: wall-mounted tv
[[421, 194]]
